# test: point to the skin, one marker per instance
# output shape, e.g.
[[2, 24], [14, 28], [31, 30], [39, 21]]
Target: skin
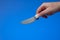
[[48, 8]]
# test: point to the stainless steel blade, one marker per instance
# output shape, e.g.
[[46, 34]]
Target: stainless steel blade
[[30, 20]]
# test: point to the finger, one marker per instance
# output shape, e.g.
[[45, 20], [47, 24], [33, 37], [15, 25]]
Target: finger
[[41, 8], [46, 11], [44, 16], [49, 14]]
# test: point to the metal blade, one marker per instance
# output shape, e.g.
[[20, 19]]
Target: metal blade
[[30, 20]]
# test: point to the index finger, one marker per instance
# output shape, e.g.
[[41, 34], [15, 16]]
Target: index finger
[[40, 9]]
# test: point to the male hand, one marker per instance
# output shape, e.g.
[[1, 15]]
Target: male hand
[[47, 9]]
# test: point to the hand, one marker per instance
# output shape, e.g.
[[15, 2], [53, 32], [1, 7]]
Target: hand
[[47, 9]]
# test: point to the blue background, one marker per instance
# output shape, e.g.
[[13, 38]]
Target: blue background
[[12, 12]]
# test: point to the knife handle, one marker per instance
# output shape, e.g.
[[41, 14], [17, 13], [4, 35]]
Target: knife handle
[[37, 16]]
